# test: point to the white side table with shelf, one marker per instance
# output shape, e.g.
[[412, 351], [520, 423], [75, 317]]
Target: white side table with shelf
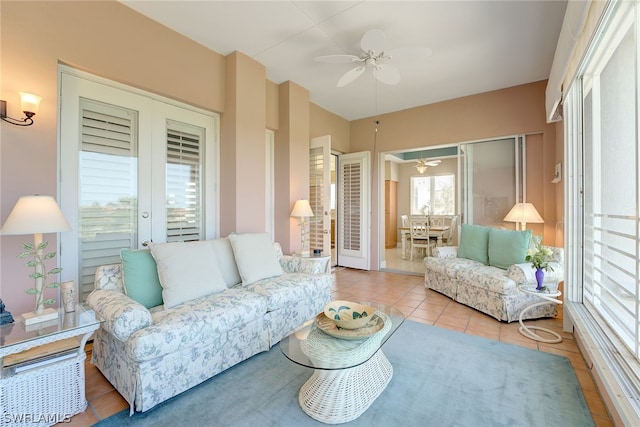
[[44, 387], [546, 297]]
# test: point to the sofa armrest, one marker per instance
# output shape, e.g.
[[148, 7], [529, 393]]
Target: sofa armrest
[[296, 264], [121, 315], [445, 252], [523, 273]]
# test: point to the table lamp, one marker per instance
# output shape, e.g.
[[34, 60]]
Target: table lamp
[[523, 213], [37, 215], [302, 210]]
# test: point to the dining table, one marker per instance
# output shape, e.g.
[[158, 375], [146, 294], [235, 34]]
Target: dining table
[[437, 231]]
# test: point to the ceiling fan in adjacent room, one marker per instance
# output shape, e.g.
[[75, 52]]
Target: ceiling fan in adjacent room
[[373, 56], [422, 164]]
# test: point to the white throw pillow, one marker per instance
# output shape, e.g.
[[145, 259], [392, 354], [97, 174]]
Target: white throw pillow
[[255, 256], [226, 261], [187, 270]]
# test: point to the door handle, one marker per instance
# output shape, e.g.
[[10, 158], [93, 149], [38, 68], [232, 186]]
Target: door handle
[[145, 243]]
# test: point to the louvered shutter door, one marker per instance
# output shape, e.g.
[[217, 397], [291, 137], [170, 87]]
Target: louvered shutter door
[[316, 198], [108, 187], [184, 182], [353, 210]]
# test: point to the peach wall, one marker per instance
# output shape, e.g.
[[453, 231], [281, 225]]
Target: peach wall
[[242, 146], [292, 154], [272, 101], [323, 122], [511, 111]]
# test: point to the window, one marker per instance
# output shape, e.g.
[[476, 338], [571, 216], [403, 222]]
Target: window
[[610, 174], [603, 226], [433, 195]]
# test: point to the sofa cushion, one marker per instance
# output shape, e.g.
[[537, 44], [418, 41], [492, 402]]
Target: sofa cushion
[[187, 270], [226, 261], [196, 321], [474, 243], [490, 279], [255, 256], [508, 247], [140, 277], [289, 289], [449, 267]]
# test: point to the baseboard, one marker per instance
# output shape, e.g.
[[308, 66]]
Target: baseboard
[[614, 369]]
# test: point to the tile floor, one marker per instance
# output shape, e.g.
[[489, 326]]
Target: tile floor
[[407, 293]]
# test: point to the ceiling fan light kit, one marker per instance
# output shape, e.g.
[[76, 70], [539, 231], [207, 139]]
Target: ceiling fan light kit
[[373, 56], [423, 164]]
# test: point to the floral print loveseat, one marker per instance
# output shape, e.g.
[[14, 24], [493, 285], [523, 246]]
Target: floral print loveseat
[[151, 355], [490, 289]]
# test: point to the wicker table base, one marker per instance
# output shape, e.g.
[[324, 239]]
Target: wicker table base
[[339, 396]]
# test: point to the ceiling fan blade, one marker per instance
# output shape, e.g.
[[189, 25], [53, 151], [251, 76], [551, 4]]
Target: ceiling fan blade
[[409, 53], [387, 74], [337, 59], [351, 75], [373, 41], [433, 162]]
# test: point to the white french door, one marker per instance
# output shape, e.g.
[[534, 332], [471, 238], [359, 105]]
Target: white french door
[[133, 169], [320, 194], [354, 210]]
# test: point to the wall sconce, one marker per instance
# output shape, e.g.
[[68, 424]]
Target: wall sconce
[[28, 103]]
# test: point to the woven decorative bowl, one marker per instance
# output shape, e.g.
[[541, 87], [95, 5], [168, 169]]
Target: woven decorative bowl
[[349, 315]]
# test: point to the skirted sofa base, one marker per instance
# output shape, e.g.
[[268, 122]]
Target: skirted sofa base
[[151, 359]]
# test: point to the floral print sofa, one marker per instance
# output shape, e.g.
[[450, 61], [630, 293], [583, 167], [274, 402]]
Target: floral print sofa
[[151, 355], [491, 289]]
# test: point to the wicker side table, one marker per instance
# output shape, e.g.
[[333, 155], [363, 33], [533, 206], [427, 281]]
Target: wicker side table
[[46, 390], [349, 368], [335, 396]]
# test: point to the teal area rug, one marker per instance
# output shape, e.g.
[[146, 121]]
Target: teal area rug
[[440, 378]]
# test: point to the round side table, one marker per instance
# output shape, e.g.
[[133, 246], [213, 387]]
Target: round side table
[[529, 331]]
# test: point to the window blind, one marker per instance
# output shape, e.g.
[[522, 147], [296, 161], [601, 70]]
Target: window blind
[[184, 182], [351, 206], [108, 181], [316, 197]]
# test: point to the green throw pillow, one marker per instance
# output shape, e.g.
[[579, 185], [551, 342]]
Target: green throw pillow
[[508, 247], [474, 241], [140, 277]]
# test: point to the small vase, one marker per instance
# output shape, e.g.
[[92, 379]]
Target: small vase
[[539, 278]]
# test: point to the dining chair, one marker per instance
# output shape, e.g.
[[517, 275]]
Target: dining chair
[[419, 234], [448, 238]]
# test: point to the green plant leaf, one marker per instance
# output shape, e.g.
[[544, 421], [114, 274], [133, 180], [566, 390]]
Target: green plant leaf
[[49, 301], [31, 264], [31, 291], [50, 255], [53, 285], [55, 270], [42, 245], [35, 275], [27, 246], [24, 254]]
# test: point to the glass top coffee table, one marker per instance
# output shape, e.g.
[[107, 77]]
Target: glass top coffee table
[[350, 370]]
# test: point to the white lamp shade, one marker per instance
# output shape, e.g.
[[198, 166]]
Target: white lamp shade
[[302, 209], [30, 103], [35, 215], [523, 212]]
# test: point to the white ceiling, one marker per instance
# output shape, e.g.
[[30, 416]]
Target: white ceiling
[[478, 46]]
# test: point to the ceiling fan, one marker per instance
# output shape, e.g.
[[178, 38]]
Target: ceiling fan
[[373, 56], [422, 164]]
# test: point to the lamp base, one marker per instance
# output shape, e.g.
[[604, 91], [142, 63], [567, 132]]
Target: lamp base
[[32, 317]]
